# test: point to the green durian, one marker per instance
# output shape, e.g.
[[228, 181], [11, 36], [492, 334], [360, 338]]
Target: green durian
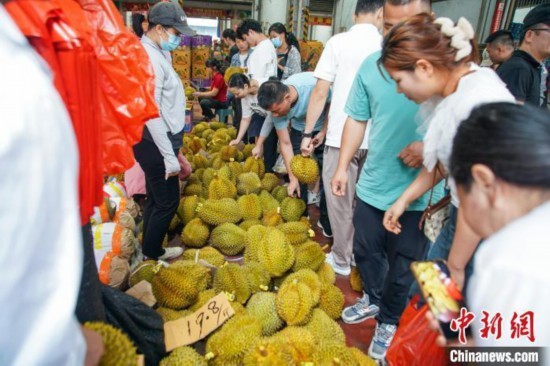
[[231, 278], [217, 212], [195, 234], [292, 209], [263, 306], [251, 207], [184, 356], [118, 348], [228, 238]]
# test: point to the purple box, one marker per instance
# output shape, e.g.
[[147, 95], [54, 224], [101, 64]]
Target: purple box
[[201, 83], [201, 41], [185, 41]]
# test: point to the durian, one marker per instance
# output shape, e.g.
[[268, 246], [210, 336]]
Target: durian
[[228, 238], [309, 255], [221, 187], [326, 274], [332, 301], [217, 212], [275, 253], [355, 280], [333, 354], [270, 181], [251, 207], [305, 169], [292, 209], [322, 327], [144, 271], [248, 183], [295, 232], [254, 165], [208, 254], [184, 356], [118, 348], [308, 278], [231, 278], [195, 234], [229, 344], [263, 306], [294, 303]]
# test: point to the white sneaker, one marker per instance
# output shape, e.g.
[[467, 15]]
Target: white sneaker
[[313, 198], [171, 253], [343, 271]]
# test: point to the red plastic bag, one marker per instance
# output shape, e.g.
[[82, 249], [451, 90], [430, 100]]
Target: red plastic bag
[[126, 79], [414, 342], [58, 31]]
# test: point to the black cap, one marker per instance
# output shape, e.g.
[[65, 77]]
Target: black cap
[[537, 15], [170, 14]]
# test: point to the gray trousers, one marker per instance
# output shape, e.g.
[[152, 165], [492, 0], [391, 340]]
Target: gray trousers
[[340, 209]]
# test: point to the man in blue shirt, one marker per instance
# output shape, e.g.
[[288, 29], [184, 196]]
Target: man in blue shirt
[[287, 101], [382, 258]]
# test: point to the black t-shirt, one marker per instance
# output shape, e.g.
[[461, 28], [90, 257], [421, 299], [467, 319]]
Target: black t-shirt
[[522, 75]]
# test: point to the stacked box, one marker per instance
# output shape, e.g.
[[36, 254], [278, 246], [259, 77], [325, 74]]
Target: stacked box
[[311, 53], [181, 60], [201, 47]]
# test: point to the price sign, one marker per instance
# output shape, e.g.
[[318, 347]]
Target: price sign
[[192, 328]]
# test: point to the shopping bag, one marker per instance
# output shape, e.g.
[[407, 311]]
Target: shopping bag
[[414, 343]]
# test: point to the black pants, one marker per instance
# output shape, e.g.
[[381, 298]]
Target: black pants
[[207, 104], [296, 141], [384, 259], [162, 197], [89, 306]]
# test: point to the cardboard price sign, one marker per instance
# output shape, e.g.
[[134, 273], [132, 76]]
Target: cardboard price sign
[[193, 328]]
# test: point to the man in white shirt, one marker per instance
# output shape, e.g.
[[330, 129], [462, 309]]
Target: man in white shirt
[[337, 67], [262, 63], [41, 251]]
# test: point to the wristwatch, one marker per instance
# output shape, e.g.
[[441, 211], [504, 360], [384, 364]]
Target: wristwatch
[[307, 134]]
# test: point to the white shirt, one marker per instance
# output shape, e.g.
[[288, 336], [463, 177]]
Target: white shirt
[[170, 98], [482, 86], [41, 245], [511, 275], [343, 55], [262, 63], [250, 106]]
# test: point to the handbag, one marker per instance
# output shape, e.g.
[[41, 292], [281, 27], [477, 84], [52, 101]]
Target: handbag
[[435, 216]]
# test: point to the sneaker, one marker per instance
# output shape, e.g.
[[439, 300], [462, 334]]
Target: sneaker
[[325, 234], [171, 253], [342, 271], [313, 198], [360, 311], [381, 341]]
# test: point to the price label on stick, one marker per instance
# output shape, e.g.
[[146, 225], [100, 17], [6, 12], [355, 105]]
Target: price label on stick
[[193, 328]]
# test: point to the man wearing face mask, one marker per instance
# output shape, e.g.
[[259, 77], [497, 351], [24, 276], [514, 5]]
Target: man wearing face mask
[[162, 137]]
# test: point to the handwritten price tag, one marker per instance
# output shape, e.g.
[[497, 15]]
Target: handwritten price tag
[[192, 328]]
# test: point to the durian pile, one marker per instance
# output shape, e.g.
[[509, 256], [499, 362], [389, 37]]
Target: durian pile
[[283, 293]]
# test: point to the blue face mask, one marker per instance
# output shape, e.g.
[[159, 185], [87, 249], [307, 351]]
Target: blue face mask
[[276, 42], [172, 43]]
